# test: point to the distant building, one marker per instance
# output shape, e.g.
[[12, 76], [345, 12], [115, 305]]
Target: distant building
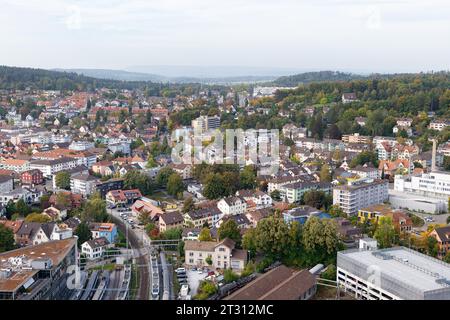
[[349, 97], [375, 213], [442, 235], [32, 177], [433, 184], [439, 125], [104, 230], [95, 248], [205, 123]]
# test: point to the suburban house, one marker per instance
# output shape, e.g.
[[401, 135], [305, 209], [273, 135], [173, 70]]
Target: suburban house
[[123, 197], [232, 205], [32, 177], [184, 170], [170, 220], [259, 198], [142, 205], [223, 254], [95, 248], [55, 214], [375, 213], [201, 217], [104, 230], [349, 97], [32, 233], [442, 235]]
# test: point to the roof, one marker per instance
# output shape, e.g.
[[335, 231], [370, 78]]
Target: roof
[[443, 233], [102, 226], [410, 269], [13, 225], [54, 250], [207, 245], [174, 217], [281, 283], [97, 243], [4, 178]]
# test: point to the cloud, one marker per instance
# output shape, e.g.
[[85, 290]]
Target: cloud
[[73, 19]]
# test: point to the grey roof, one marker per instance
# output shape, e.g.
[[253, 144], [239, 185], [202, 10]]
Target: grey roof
[[52, 162], [5, 178]]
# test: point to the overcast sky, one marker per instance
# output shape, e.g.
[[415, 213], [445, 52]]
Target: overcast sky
[[349, 35]]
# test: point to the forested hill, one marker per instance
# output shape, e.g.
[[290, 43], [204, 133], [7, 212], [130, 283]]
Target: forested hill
[[320, 76]]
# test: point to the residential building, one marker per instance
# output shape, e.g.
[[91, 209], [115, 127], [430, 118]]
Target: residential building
[[123, 197], [170, 220], [232, 205], [349, 97], [83, 184], [16, 165], [365, 171], [257, 197], [37, 272], [6, 184], [376, 213], [356, 138], [32, 177], [280, 283], [51, 167], [223, 254], [395, 273], [201, 217], [303, 213], [439, 125], [442, 235], [103, 187], [143, 205], [104, 230], [95, 248], [293, 192], [184, 170], [205, 123], [360, 194]]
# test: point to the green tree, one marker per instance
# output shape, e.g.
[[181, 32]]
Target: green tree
[[325, 174], [62, 180], [320, 239], [205, 235], [432, 246], [163, 176], [447, 257], [62, 200], [22, 208], [249, 241], [229, 229], [95, 210], [385, 233], [208, 260], [316, 199], [272, 237], [188, 205], [229, 276], [6, 239], [215, 187], [174, 184], [83, 233], [138, 180], [275, 195], [247, 178]]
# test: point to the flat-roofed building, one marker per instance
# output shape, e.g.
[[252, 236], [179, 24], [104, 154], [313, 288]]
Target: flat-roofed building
[[393, 274]]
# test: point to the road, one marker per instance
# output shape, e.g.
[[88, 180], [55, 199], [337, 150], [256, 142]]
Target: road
[[438, 219], [142, 261]]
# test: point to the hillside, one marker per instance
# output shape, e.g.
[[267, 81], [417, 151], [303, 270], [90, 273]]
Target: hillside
[[320, 76]]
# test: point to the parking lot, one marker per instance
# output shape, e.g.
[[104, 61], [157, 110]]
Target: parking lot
[[194, 279]]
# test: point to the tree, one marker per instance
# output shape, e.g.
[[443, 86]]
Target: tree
[[174, 184], [249, 241], [325, 174], [95, 210], [44, 201], [385, 233], [205, 235], [62, 180], [138, 180], [365, 157], [151, 163], [330, 273], [62, 200], [335, 211], [83, 233], [229, 276], [22, 208], [172, 234], [247, 178], [214, 187], [208, 260], [271, 237], [188, 205], [163, 176], [275, 195], [37, 217], [447, 257], [144, 217], [6, 239], [229, 229], [432, 246], [316, 199], [320, 239]]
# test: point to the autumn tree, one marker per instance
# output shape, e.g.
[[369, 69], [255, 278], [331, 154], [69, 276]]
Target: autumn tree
[[385, 233], [229, 229], [62, 180], [205, 235]]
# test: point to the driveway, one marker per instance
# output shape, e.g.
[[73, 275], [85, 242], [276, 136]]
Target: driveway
[[193, 280]]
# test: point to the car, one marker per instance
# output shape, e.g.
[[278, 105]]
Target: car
[[194, 269], [199, 271], [180, 270]]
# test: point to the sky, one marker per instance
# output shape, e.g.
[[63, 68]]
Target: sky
[[345, 35]]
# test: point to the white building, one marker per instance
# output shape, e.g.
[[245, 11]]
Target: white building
[[51, 167], [360, 194], [6, 184], [95, 248], [434, 184], [81, 145], [83, 184], [439, 125], [205, 123], [232, 206]]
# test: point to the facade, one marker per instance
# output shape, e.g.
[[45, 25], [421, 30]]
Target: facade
[[356, 138], [83, 184], [360, 194], [32, 177], [401, 221], [95, 248], [51, 167], [6, 184], [201, 217], [293, 192], [184, 170], [104, 230], [170, 220], [439, 125], [123, 197], [103, 187], [223, 254], [205, 123], [16, 165], [142, 205], [433, 184], [392, 274], [232, 206], [442, 235]]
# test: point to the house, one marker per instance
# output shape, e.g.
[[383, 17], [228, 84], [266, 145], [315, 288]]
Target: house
[[184, 170], [365, 171], [32, 177], [33, 233], [347, 231], [55, 214], [103, 187], [439, 125], [6, 184], [104, 230], [142, 205], [14, 226], [293, 192], [361, 121], [95, 248], [190, 234], [201, 217], [170, 220], [241, 221], [303, 213], [123, 197], [280, 283], [349, 97], [259, 198], [104, 168], [404, 122], [257, 215], [16, 165], [74, 200], [375, 213], [223, 254], [232, 205], [391, 168], [442, 235]]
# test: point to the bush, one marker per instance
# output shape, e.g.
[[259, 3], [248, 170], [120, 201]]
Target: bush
[[330, 273], [248, 270], [229, 276], [205, 290]]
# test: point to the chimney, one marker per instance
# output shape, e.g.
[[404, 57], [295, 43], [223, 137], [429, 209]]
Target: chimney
[[433, 157]]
